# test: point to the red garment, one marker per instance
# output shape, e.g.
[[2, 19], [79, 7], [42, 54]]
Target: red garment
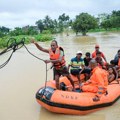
[[94, 54], [119, 62], [97, 83]]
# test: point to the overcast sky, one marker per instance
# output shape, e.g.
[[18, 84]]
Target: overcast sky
[[14, 13]]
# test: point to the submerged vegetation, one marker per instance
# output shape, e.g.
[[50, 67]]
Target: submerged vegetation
[[45, 28]]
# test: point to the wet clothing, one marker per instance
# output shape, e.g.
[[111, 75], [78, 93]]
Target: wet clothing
[[97, 83]]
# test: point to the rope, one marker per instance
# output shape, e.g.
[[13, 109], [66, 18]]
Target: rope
[[46, 76], [33, 54], [5, 63], [45, 64], [14, 47]]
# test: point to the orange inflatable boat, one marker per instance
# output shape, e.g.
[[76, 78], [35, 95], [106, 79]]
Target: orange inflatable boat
[[69, 102]]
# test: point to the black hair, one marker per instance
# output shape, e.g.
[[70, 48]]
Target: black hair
[[87, 54], [118, 50], [55, 42], [112, 62], [98, 52]]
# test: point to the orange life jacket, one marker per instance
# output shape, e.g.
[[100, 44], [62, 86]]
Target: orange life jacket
[[94, 54], [55, 56]]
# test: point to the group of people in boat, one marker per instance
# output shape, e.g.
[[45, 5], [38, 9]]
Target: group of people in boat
[[98, 73]]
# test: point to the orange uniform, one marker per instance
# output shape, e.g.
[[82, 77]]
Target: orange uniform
[[97, 83]]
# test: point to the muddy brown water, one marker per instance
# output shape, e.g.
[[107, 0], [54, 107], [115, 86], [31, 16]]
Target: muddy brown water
[[24, 74]]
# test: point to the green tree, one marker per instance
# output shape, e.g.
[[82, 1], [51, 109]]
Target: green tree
[[64, 21], [106, 24], [84, 22], [30, 30], [17, 31], [4, 31], [115, 19], [40, 25], [49, 24]]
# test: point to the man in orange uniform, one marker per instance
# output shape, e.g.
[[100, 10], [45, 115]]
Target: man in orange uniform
[[97, 47], [57, 59], [98, 81]]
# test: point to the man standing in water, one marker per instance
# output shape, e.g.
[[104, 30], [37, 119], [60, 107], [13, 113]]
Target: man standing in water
[[57, 59]]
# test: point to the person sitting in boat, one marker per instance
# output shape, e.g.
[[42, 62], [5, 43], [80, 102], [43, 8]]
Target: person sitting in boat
[[98, 81], [97, 47], [57, 59], [116, 56], [76, 65], [99, 60], [116, 63], [87, 59], [112, 74]]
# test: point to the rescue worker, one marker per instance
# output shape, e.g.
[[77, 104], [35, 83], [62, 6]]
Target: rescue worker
[[97, 47], [56, 54], [98, 81]]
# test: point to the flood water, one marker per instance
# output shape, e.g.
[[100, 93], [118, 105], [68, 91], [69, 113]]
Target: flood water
[[23, 75]]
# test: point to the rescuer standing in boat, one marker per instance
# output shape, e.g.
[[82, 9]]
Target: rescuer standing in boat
[[57, 59]]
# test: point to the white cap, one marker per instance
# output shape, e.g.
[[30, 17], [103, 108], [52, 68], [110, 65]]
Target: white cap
[[79, 52]]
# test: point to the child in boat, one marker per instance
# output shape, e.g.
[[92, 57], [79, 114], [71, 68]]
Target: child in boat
[[99, 60], [112, 74]]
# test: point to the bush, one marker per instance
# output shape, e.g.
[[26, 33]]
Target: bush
[[43, 37]]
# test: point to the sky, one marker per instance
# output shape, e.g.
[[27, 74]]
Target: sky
[[19, 13]]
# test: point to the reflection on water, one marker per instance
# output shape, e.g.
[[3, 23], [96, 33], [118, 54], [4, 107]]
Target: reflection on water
[[24, 74]]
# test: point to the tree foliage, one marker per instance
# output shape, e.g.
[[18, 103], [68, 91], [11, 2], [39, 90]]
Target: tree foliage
[[83, 23], [63, 21], [110, 20]]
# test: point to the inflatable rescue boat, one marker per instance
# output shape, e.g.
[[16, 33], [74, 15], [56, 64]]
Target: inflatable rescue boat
[[69, 102]]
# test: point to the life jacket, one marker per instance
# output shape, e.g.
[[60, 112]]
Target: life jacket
[[55, 56], [94, 54]]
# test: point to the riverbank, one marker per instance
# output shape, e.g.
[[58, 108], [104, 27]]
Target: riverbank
[[40, 37], [48, 36]]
